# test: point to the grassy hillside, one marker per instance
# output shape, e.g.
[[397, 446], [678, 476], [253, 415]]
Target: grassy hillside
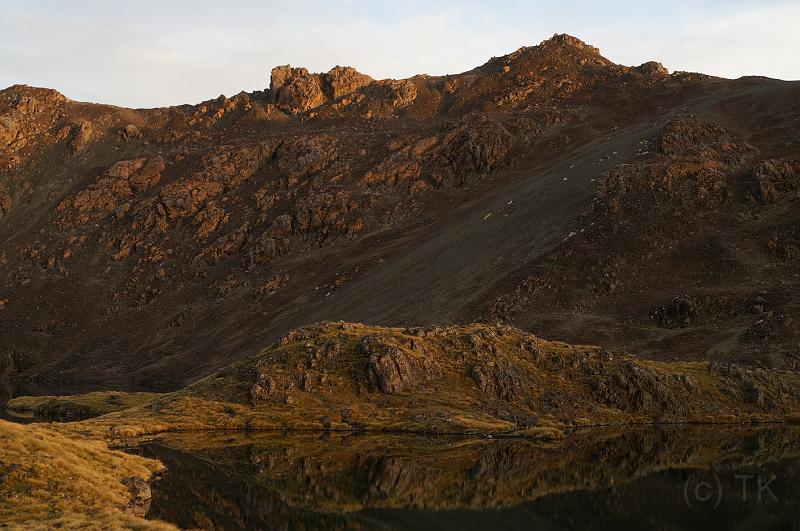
[[50, 481]]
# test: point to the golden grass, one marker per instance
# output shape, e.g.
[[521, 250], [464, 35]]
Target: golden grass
[[48, 480], [78, 407]]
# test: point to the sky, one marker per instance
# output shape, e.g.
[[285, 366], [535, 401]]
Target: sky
[[149, 53]]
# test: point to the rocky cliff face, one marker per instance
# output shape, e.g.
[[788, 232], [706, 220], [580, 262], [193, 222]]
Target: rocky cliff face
[[147, 247]]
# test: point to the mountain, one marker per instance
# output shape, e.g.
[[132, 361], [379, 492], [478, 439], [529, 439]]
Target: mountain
[[551, 189]]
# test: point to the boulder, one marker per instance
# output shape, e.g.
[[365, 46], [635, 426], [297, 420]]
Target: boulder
[[343, 80], [652, 68], [131, 132], [294, 90]]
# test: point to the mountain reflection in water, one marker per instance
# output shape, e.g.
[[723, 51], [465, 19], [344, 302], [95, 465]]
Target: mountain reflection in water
[[709, 477]]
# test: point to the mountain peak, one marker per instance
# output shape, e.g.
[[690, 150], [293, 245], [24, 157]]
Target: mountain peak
[[563, 39]]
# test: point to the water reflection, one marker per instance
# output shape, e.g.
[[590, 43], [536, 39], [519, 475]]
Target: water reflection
[[642, 479]]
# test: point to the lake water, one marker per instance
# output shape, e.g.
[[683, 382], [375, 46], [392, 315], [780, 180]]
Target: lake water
[[703, 477], [683, 478]]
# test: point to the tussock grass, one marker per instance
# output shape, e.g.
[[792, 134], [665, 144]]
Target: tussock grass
[[48, 480]]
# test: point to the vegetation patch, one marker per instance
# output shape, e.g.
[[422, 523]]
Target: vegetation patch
[[75, 408], [51, 481]]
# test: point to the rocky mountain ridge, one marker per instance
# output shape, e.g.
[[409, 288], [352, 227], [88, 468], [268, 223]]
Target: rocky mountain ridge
[[144, 248]]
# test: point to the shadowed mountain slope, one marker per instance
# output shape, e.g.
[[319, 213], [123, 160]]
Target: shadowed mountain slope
[[549, 188]]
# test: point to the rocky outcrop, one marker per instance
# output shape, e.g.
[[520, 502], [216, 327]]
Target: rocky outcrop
[[141, 496], [305, 157], [294, 90], [402, 166], [148, 176], [328, 215], [680, 312], [497, 380], [476, 379], [701, 157], [786, 243], [344, 80], [222, 169], [564, 40], [8, 130], [82, 134], [776, 180], [636, 388], [690, 132], [652, 68], [114, 189], [392, 369], [476, 144], [397, 93]]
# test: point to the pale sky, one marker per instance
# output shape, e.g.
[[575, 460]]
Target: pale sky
[[148, 53]]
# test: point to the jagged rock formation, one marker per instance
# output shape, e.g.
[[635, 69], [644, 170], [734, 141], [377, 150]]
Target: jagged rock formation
[[549, 187]]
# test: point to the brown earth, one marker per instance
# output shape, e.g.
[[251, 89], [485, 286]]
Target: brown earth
[[550, 188]]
